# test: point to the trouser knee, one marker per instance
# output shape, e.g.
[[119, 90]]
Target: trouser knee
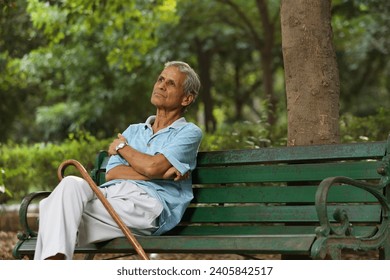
[[75, 186]]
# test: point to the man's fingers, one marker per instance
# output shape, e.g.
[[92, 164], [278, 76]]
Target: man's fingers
[[121, 137], [181, 177]]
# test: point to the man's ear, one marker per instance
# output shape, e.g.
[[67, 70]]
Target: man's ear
[[187, 100]]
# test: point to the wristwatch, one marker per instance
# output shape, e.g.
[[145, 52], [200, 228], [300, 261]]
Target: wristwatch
[[120, 146]]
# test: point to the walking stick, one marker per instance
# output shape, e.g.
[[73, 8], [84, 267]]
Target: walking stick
[[130, 237]]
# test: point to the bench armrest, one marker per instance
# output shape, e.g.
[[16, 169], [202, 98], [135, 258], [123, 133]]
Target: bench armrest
[[340, 216], [330, 236], [99, 170], [27, 232]]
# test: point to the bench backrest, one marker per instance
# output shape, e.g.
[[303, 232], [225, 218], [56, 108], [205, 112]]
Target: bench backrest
[[244, 191]]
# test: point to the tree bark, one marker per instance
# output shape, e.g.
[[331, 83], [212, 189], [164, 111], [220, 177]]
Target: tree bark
[[311, 73]]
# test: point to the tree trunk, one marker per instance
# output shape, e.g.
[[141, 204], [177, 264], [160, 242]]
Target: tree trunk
[[311, 73], [204, 63]]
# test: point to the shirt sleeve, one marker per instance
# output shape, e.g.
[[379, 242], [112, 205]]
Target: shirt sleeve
[[181, 151], [116, 160]]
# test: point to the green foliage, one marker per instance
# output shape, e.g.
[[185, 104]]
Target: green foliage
[[242, 135], [255, 135], [79, 76], [375, 127], [5, 193], [26, 168], [125, 29], [17, 37], [362, 41]]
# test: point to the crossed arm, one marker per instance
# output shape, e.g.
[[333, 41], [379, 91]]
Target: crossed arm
[[141, 166]]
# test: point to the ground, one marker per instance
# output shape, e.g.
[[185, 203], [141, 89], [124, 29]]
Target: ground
[[7, 240]]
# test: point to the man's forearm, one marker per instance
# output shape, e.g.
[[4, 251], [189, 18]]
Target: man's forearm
[[127, 172], [124, 172], [151, 166]]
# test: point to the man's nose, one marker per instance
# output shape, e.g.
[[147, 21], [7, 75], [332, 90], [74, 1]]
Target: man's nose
[[162, 85]]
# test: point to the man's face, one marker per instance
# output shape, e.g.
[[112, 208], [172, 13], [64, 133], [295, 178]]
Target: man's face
[[168, 91]]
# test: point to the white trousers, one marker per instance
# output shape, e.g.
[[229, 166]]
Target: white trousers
[[73, 214]]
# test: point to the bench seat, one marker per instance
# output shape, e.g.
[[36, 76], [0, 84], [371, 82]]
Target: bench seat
[[313, 201]]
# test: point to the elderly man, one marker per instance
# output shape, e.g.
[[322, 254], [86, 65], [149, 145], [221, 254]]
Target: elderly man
[[148, 176]]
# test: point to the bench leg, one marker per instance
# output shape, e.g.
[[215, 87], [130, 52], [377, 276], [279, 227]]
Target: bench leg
[[89, 256], [384, 252]]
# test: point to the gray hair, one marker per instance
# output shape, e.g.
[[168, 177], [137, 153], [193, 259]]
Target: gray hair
[[191, 83]]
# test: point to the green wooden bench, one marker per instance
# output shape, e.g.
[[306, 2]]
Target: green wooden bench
[[310, 201]]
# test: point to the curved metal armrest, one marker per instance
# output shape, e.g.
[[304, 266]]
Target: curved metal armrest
[[340, 216], [27, 232], [332, 238]]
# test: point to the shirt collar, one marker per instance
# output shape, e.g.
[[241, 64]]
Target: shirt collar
[[176, 124]]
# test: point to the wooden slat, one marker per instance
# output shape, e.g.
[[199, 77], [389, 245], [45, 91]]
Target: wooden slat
[[278, 194], [285, 173], [298, 153], [276, 213], [316, 153], [197, 244], [258, 229], [218, 244]]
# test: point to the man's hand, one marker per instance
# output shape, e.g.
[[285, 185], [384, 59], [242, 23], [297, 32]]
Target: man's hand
[[173, 173], [114, 143]]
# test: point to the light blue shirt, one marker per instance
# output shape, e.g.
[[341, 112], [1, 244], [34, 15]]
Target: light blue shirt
[[179, 143]]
